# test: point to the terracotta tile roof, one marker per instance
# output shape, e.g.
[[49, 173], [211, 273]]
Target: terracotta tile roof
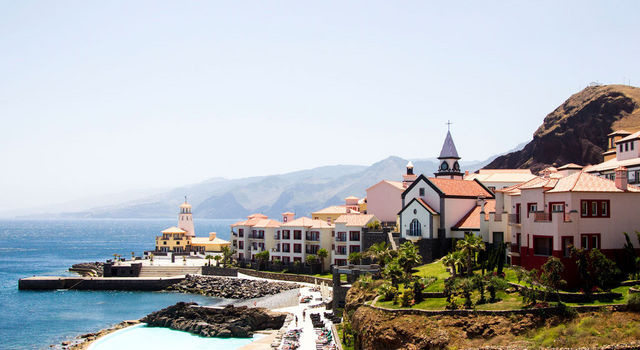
[[612, 164], [584, 182], [249, 222], [206, 240], [267, 223], [257, 216], [427, 206], [307, 222], [620, 132], [351, 197], [288, 213], [174, 229], [539, 182], [335, 209], [634, 136], [456, 187], [489, 207], [358, 220], [471, 221], [501, 175], [570, 166]]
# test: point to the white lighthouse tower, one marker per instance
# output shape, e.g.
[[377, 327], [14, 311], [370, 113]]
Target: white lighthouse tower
[[185, 220]]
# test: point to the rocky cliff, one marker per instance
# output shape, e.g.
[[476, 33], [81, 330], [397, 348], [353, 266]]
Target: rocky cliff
[[238, 322], [576, 131]]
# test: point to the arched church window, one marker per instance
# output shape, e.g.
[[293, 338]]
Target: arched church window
[[456, 166], [444, 166], [415, 229]]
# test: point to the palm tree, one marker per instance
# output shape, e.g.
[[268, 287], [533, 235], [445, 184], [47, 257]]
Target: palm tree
[[151, 258], [226, 253], [379, 252], [469, 246], [217, 258], [355, 257], [312, 259], [393, 272], [322, 254], [408, 257], [209, 257], [449, 261]]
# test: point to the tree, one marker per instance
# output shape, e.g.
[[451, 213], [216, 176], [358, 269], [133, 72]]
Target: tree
[[551, 276], [322, 254], [630, 256], [151, 258], [455, 261], [604, 270], [262, 257], [312, 259], [209, 257], [408, 258], [393, 272], [217, 258], [226, 254], [374, 225], [355, 257], [469, 246], [494, 285], [582, 261], [379, 252], [466, 286]]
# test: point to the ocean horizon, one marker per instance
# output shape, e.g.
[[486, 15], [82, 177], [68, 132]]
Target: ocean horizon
[[28, 247]]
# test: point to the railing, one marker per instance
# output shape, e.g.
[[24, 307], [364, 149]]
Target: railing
[[341, 252], [354, 238], [311, 251], [256, 236], [542, 217], [313, 238], [341, 239], [514, 218], [275, 250], [497, 217]]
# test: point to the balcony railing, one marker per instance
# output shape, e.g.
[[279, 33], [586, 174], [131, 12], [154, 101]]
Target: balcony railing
[[275, 250], [313, 238], [255, 236], [341, 239], [542, 217], [514, 218], [497, 217]]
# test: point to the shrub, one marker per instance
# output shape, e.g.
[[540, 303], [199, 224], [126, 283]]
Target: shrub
[[634, 302], [551, 276], [496, 284], [407, 298], [387, 291]]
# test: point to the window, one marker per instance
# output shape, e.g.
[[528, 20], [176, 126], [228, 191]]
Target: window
[[297, 234], [342, 237], [492, 188], [518, 240], [542, 245], [632, 145], [594, 208], [240, 245], [354, 235], [626, 146], [620, 147], [498, 237], [341, 262], [567, 244], [354, 249], [557, 207], [532, 208], [286, 259], [342, 249], [297, 248], [421, 191], [590, 241], [456, 166], [286, 234], [415, 229], [444, 166], [241, 232], [286, 247]]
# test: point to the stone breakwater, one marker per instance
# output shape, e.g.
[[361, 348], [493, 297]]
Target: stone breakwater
[[88, 269], [238, 322], [230, 288]]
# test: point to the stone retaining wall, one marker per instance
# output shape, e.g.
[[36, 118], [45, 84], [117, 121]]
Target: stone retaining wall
[[97, 283], [287, 277], [538, 311], [575, 297], [219, 271]]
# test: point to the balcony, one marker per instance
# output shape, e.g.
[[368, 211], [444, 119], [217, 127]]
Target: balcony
[[541, 216], [275, 250], [341, 239], [313, 238], [497, 217], [255, 236], [514, 219]]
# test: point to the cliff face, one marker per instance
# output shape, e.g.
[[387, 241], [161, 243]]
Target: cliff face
[[576, 131]]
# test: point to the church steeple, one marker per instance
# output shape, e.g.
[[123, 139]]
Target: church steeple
[[449, 166], [185, 219]]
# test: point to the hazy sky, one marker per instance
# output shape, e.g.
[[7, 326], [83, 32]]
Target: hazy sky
[[107, 96]]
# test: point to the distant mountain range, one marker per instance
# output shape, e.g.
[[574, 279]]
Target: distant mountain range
[[301, 192]]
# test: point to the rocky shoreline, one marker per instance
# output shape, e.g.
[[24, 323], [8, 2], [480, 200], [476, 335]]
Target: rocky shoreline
[[230, 321], [230, 288], [88, 269]]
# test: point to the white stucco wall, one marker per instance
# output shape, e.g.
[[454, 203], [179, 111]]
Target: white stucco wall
[[423, 215]]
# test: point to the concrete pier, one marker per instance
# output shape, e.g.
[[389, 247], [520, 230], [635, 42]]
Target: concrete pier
[[97, 283]]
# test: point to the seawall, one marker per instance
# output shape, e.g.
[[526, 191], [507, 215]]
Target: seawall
[[97, 283]]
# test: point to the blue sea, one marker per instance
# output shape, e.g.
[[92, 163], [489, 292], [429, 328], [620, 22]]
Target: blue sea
[[37, 319]]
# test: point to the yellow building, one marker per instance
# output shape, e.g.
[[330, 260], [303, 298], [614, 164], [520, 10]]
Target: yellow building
[[173, 239], [208, 244], [182, 239]]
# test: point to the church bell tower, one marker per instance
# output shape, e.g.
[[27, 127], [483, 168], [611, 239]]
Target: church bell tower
[[449, 167]]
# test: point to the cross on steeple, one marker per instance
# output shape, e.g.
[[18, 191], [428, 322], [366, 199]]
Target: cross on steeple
[[448, 125]]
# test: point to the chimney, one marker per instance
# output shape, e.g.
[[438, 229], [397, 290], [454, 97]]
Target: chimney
[[466, 173], [287, 217], [621, 178], [212, 236]]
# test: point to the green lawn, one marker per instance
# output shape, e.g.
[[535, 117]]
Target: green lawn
[[434, 269]]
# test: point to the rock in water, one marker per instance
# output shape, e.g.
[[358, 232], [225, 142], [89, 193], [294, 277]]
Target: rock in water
[[237, 322], [230, 288]]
